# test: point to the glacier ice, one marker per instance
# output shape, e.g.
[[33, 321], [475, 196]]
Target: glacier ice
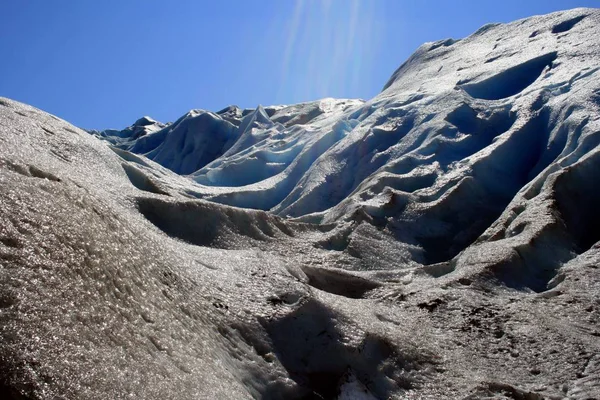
[[440, 240]]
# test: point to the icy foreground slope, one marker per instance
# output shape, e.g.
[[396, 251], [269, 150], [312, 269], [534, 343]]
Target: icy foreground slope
[[438, 241]]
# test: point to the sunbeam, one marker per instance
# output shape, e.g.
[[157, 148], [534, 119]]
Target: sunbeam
[[326, 48]]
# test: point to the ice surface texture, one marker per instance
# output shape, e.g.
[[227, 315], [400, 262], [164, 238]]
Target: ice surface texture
[[440, 240]]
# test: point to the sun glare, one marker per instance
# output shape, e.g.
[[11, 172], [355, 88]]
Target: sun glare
[[330, 45]]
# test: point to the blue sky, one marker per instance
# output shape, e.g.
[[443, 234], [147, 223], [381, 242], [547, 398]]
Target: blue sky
[[103, 64]]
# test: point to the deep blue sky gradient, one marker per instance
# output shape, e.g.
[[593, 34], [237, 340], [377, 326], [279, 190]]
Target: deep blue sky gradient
[[102, 64]]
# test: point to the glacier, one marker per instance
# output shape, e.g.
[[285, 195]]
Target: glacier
[[441, 240]]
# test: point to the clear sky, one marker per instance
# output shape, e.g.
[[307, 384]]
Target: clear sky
[[102, 64]]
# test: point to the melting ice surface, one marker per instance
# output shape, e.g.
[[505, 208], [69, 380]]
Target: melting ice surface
[[440, 240]]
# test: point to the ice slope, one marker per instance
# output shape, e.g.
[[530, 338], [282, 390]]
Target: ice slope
[[200, 137], [438, 241], [126, 138], [97, 302], [429, 154]]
